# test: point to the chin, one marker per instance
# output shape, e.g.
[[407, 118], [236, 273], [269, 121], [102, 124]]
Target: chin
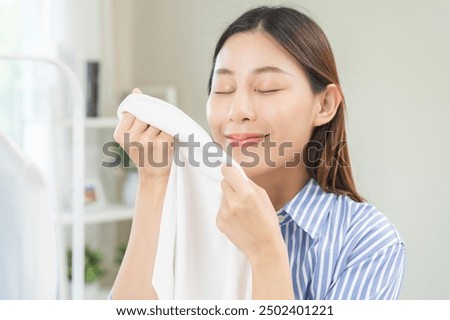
[[253, 164], [256, 171]]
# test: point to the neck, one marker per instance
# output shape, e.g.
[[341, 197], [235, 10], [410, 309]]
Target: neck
[[282, 184]]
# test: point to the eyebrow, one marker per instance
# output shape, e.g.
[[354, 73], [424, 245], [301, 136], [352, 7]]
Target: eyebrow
[[255, 71]]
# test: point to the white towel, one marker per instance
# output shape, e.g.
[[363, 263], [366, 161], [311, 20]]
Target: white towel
[[194, 259]]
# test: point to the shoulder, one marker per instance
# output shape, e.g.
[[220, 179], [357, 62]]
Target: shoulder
[[364, 229]]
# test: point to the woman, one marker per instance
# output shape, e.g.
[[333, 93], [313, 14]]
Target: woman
[[276, 105]]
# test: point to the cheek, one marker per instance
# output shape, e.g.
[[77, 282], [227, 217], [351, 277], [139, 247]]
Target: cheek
[[293, 126], [214, 118]]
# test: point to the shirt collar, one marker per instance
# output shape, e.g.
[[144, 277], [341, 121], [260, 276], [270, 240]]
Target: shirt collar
[[309, 207]]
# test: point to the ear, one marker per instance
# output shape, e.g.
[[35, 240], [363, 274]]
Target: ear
[[328, 103]]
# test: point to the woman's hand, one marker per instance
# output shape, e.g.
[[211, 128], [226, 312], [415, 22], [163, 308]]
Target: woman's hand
[[247, 217], [150, 149], [152, 152]]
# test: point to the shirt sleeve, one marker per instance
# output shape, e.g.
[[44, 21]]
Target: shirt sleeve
[[376, 277]]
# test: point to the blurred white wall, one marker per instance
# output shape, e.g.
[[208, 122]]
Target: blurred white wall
[[394, 62]]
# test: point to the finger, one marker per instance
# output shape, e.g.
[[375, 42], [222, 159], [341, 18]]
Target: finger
[[256, 187], [227, 190], [138, 126], [224, 210], [152, 132], [136, 90], [234, 178], [165, 136], [222, 214], [126, 122]]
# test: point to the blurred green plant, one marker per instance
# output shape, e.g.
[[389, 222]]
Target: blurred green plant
[[93, 265], [120, 252]]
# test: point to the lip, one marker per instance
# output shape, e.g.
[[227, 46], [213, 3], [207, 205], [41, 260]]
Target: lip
[[245, 139]]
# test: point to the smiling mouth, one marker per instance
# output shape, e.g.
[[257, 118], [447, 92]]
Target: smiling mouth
[[241, 140]]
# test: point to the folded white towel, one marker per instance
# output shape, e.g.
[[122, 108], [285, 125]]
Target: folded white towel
[[194, 259]]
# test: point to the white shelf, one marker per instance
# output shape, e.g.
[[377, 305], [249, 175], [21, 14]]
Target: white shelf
[[95, 122], [103, 122], [110, 213]]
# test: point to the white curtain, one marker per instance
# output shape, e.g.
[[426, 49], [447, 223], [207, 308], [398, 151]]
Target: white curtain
[[28, 249], [34, 98], [28, 245]]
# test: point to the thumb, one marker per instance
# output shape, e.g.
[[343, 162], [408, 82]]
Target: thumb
[[257, 188], [136, 90]]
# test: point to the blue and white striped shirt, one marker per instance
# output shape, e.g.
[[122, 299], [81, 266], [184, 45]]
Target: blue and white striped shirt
[[339, 248]]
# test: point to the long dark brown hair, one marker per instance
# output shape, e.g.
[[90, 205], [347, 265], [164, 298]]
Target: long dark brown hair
[[327, 159]]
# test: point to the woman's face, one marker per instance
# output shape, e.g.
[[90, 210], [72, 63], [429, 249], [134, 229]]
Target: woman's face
[[261, 107]]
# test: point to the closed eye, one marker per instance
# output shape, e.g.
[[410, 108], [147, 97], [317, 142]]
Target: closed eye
[[267, 91], [223, 92]]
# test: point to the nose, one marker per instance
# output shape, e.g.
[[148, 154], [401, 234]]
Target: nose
[[241, 108]]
